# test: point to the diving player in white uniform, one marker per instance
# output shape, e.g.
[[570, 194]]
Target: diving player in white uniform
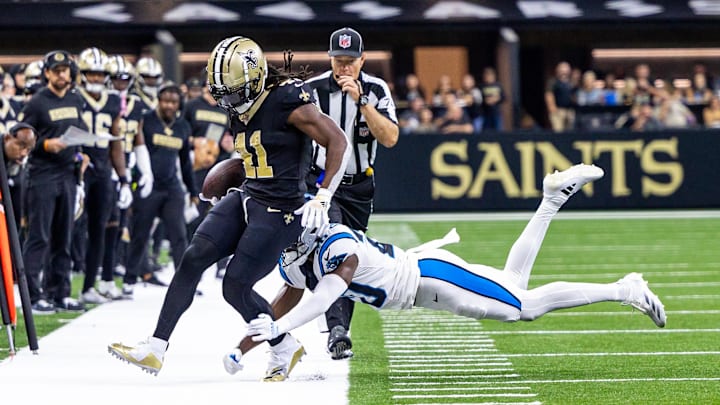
[[343, 262]]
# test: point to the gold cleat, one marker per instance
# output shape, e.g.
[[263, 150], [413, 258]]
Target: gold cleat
[[282, 372], [141, 356]]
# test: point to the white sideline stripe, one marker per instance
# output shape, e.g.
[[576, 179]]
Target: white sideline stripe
[[599, 331], [500, 357], [480, 342], [455, 369], [440, 350], [477, 403], [455, 377], [73, 366], [462, 388], [455, 364], [516, 216], [431, 345], [508, 395], [679, 285], [613, 380], [691, 297], [605, 313], [450, 357], [614, 276], [598, 380]]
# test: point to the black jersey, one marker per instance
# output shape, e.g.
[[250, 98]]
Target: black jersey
[[52, 116], [276, 154], [99, 116], [206, 119], [147, 102], [130, 118], [8, 117], [167, 142]]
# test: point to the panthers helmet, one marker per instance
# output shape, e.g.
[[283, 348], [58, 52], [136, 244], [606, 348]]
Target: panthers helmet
[[34, 78], [237, 70], [146, 68], [120, 68], [96, 61], [298, 253]]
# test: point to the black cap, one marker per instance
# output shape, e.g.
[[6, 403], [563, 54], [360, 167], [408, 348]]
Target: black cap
[[346, 42], [21, 125], [169, 86], [56, 58], [193, 82]]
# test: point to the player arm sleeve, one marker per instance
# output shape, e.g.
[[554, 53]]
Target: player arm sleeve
[[143, 159], [187, 170], [328, 289]]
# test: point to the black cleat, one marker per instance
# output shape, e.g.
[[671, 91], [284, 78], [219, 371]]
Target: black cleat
[[339, 343]]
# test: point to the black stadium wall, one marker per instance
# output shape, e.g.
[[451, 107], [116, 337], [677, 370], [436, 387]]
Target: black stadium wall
[[504, 171]]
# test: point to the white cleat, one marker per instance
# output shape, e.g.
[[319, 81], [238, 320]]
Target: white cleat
[[231, 361], [144, 355], [559, 186], [283, 358], [109, 290], [644, 300]]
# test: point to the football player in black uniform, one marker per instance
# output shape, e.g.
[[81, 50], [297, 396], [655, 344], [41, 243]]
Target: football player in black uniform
[[51, 192], [122, 75], [274, 120], [209, 123], [149, 78], [102, 116], [168, 138]]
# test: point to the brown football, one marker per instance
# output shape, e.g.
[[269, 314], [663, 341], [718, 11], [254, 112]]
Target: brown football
[[227, 173]]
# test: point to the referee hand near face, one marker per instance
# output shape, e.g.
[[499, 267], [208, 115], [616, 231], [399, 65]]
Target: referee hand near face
[[363, 108]]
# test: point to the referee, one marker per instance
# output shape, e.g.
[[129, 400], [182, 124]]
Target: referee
[[363, 108]]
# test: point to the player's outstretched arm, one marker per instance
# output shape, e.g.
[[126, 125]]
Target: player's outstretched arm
[[327, 291]]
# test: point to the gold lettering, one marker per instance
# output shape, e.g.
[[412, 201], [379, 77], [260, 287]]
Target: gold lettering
[[494, 166], [527, 169], [617, 150], [439, 168], [211, 116], [167, 141], [64, 113], [649, 165]]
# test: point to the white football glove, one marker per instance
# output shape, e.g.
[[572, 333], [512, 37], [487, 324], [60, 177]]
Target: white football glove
[[146, 185], [262, 328], [315, 212], [79, 200], [125, 198]]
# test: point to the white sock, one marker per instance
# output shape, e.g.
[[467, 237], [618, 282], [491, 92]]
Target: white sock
[[158, 345]]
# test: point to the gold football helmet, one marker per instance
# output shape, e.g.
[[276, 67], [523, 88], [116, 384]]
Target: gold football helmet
[[237, 70], [120, 69], [149, 75], [34, 76], [93, 60]]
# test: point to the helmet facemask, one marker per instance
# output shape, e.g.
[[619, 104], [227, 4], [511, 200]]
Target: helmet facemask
[[93, 60], [298, 253]]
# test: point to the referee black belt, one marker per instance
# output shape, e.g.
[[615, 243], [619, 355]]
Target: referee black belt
[[347, 179]]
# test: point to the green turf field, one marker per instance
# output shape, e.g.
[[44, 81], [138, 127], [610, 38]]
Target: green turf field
[[597, 354]]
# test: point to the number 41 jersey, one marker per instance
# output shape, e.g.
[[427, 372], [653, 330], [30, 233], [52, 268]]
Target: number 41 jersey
[[386, 277], [276, 155]]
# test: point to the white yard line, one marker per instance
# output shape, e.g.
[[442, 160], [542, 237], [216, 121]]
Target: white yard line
[[598, 331], [73, 365]]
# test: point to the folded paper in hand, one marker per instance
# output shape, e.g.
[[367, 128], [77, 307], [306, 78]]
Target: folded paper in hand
[[76, 136]]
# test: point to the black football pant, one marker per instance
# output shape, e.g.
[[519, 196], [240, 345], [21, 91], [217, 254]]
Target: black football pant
[[98, 207], [256, 246], [169, 206], [351, 206], [50, 221], [115, 223]]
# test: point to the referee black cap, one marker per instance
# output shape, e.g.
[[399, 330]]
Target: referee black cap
[[346, 42]]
